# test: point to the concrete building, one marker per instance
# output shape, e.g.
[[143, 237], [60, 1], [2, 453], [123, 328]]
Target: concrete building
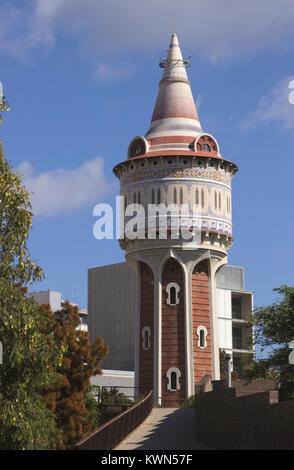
[[54, 299], [180, 304]]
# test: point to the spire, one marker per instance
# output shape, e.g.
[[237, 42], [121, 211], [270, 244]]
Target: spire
[[175, 123]]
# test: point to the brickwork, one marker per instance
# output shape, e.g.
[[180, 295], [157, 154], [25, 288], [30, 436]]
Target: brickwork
[[255, 421], [146, 320], [243, 387], [201, 317], [173, 334]]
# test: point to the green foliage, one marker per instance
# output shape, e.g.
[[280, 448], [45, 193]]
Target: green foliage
[[15, 223], [25, 422], [275, 328], [28, 356], [189, 402], [80, 361], [92, 404], [4, 106], [114, 397]]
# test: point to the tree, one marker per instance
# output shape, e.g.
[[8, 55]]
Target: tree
[[25, 422], [4, 106], [274, 328], [66, 396]]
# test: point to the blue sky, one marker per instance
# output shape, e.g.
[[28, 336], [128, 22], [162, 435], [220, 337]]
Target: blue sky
[[81, 78]]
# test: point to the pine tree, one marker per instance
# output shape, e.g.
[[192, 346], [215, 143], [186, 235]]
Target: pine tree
[[66, 396]]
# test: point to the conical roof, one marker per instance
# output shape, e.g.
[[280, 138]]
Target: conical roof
[[175, 123]]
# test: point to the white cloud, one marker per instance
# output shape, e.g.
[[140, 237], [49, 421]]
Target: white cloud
[[211, 28], [275, 106], [110, 73], [63, 191]]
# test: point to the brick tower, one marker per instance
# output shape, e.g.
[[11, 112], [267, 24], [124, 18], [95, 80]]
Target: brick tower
[[176, 163]]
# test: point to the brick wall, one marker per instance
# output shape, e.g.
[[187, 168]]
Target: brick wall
[[201, 317], [243, 387], [255, 421]]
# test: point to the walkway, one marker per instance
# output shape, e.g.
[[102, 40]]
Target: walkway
[[164, 429]]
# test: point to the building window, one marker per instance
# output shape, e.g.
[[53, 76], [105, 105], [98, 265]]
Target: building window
[[202, 198], [146, 335], [173, 375], [172, 290], [237, 337], [220, 201], [152, 197], [181, 196], [205, 148], [236, 307], [202, 335], [175, 196], [215, 200], [158, 196], [197, 196]]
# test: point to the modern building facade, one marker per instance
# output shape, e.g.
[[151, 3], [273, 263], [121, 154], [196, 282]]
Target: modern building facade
[[181, 317]]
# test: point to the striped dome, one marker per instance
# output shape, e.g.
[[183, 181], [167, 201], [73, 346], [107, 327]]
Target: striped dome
[[175, 123]]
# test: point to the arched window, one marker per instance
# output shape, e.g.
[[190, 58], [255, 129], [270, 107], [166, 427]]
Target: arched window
[[197, 196], [202, 334], [158, 196], [138, 146], [175, 195], [173, 376], [202, 198], [173, 381], [173, 295], [146, 335], [205, 148], [201, 338], [172, 290]]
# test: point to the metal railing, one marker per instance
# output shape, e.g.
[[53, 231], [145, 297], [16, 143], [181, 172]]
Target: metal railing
[[114, 431], [114, 395]]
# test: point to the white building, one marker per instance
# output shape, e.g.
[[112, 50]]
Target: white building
[[53, 298]]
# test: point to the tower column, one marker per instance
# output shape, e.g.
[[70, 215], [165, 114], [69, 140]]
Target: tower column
[[214, 265], [157, 337], [188, 331]]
